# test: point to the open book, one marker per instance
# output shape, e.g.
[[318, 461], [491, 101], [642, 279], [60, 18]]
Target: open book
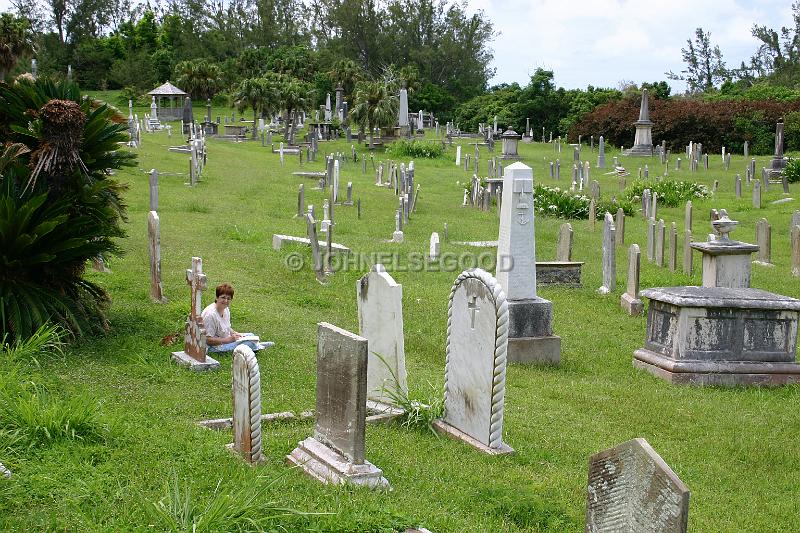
[[244, 338]]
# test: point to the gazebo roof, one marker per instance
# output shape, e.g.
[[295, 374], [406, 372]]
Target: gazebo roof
[[167, 90]]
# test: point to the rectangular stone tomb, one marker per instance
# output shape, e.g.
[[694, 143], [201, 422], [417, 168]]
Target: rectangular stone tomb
[[631, 489], [335, 452], [720, 336], [566, 273]]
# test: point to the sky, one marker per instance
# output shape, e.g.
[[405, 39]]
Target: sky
[[604, 42]]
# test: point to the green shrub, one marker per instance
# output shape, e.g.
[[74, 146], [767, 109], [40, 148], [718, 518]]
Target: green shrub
[[792, 170], [670, 193], [415, 149]]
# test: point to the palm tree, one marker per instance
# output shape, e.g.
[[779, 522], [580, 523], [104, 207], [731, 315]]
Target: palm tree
[[16, 40], [200, 78], [346, 73], [250, 95], [295, 95], [375, 106]]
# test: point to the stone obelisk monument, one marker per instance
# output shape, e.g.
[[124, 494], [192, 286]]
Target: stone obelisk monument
[[643, 143]]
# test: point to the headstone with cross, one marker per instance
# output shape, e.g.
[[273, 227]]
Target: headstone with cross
[[475, 364], [194, 354]]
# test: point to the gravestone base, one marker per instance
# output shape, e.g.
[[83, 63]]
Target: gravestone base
[[230, 448], [330, 467], [184, 359], [446, 429], [632, 306], [378, 412], [732, 374], [530, 332]]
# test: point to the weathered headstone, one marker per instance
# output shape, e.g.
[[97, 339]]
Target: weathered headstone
[[651, 239], [757, 194], [630, 300], [764, 242], [687, 253], [660, 235], [316, 256], [195, 351], [564, 246], [475, 363], [246, 391], [620, 227], [601, 154], [334, 454], [153, 190], [687, 216], [673, 247], [301, 201], [795, 238], [631, 489], [738, 186], [154, 238], [380, 321], [609, 256], [433, 253], [592, 213]]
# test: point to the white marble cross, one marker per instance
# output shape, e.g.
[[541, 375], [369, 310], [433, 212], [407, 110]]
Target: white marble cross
[[472, 305]]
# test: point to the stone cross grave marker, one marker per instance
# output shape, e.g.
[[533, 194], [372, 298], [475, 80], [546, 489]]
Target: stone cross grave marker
[[475, 364], [564, 246], [335, 453], [609, 256], [194, 354], [630, 300], [246, 392], [632, 489], [154, 237], [380, 321], [764, 242]]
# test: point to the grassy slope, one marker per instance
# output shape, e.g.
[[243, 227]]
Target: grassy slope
[[735, 449]]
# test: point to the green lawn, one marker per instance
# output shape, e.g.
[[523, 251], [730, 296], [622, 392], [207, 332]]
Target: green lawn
[[734, 448]]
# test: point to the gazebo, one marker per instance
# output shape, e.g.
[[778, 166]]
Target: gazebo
[[168, 91]]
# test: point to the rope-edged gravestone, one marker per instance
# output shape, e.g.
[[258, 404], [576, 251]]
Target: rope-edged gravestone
[[246, 391]]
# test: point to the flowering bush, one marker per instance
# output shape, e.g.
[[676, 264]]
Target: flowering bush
[[553, 202], [670, 193]]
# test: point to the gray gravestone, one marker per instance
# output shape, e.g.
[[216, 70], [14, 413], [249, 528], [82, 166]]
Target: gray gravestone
[[660, 234], [795, 237], [687, 252], [673, 247], [154, 237], [764, 242], [335, 452], [609, 256], [630, 298], [153, 190], [475, 364], [620, 225], [757, 194], [564, 247], [631, 489]]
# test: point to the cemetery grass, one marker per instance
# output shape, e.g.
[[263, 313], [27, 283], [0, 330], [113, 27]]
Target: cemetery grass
[[734, 448]]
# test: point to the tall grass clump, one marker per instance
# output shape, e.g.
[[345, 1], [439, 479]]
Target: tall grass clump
[[671, 193], [241, 509], [415, 149]]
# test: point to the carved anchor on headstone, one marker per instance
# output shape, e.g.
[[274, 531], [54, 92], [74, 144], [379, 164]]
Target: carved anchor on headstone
[[523, 190]]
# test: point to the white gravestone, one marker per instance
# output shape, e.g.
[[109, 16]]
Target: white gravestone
[[531, 336], [380, 321], [475, 364], [632, 489], [334, 454], [246, 391], [433, 252]]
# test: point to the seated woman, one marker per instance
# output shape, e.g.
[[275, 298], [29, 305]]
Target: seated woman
[[220, 337]]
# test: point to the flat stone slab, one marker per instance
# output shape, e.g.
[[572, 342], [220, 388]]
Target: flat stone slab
[[721, 247], [310, 174], [227, 423], [326, 465], [721, 297], [566, 273], [783, 200], [180, 149], [478, 244], [186, 360], [278, 241]]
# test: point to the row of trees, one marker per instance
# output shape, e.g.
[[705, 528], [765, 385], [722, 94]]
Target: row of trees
[[119, 43]]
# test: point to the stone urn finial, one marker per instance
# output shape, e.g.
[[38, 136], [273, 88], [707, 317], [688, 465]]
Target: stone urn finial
[[724, 225]]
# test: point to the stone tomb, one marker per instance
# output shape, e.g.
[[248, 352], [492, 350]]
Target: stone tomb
[[195, 351], [246, 391], [475, 364], [632, 489], [720, 336], [380, 321], [334, 454]]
